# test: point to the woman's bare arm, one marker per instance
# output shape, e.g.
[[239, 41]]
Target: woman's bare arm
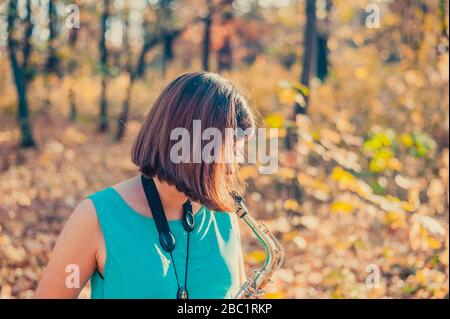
[[73, 259]]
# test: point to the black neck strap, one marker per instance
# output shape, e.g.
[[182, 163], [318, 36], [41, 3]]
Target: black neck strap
[[166, 238], [154, 201]]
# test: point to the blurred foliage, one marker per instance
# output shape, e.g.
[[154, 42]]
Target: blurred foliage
[[371, 166]]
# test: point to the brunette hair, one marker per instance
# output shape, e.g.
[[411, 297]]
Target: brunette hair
[[214, 101]]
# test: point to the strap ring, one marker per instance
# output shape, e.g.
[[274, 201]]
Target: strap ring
[[167, 241]]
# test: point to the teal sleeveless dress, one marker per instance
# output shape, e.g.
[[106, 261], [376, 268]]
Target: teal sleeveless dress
[[137, 267]]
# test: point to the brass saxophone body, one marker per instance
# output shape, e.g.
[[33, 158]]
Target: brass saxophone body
[[253, 288]]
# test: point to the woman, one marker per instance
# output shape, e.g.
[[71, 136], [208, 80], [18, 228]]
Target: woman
[[111, 237]]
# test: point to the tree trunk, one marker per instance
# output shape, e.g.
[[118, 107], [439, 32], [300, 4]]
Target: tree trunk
[[104, 123], [20, 79], [322, 43], [52, 58], [27, 47], [52, 62], [322, 57], [292, 138], [310, 42], [207, 38], [225, 52], [72, 65], [225, 55], [165, 22], [167, 54], [72, 104], [123, 118], [103, 116]]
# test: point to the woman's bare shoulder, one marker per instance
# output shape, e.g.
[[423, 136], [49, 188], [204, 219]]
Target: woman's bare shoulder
[[83, 227], [86, 206], [127, 185], [83, 219], [84, 215]]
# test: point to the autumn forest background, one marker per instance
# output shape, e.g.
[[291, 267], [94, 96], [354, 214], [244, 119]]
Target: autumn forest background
[[357, 89]]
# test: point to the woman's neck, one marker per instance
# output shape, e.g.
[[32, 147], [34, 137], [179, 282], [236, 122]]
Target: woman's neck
[[171, 199]]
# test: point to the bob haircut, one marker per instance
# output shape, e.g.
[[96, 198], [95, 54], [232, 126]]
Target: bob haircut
[[214, 101]]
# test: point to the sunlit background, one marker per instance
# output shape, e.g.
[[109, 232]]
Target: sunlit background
[[357, 89]]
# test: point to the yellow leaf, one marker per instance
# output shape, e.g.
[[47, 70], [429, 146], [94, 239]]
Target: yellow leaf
[[361, 73], [341, 207], [301, 88], [408, 206], [287, 96], [342, 245], [421, 277], [395, 219], [337, 293], [290, 204], [377, 165], [394, 164], [290, 235], [344, 178], [274, 295], [388, 253], [255, 257], [274, 120], [407, 140], [433, 243], [247, 172], [286, 173], [315, 135]]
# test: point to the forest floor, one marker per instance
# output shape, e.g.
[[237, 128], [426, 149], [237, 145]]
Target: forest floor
[[333, 231]]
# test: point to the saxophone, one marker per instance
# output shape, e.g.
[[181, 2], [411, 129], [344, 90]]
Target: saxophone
[[253, 288]]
